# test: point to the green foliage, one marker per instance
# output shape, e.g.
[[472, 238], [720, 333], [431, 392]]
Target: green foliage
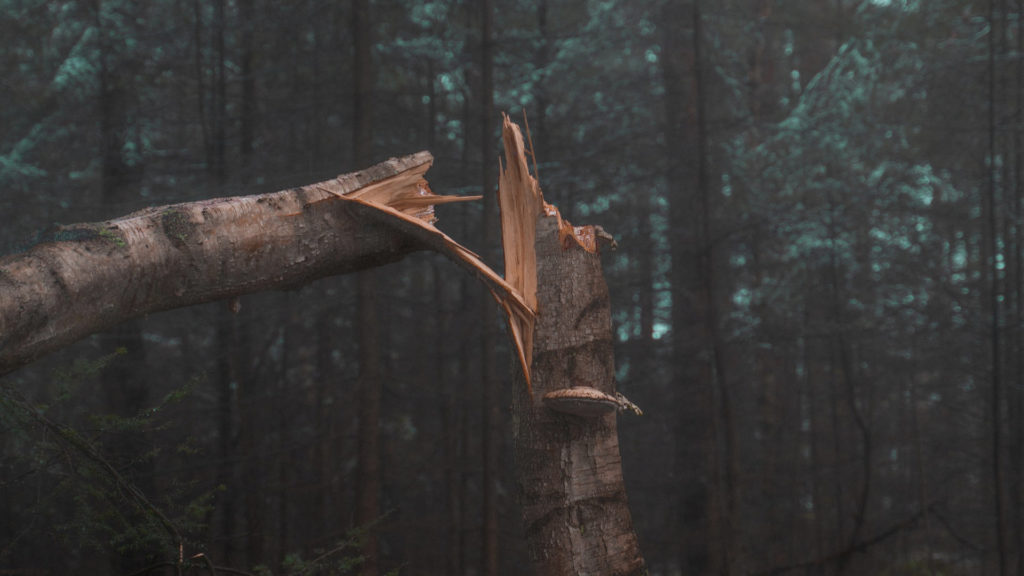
[[340, 560], [91, 501], [112, 236]]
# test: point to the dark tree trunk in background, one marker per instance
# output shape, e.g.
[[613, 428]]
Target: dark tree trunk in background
[[247, 115], [693, 422], [1017, 406], [489, 380], [450, 432], [282, 389], [228, 376], [126, 381], [368, 474], [722, 448], [120, 178], [218, 166], [709, 489], [991, 265], [843, 370], [251, 426], [200, 78]]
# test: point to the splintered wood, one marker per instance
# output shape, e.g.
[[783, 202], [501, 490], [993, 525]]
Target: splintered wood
[[522, 203], [406, 203], [407, 193]]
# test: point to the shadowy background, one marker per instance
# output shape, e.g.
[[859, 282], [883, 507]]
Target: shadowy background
[[818, 296]]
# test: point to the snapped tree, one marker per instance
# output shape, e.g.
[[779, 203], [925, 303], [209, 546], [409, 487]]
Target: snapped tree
[[79, 279]]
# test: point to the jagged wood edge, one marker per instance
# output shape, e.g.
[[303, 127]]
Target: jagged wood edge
[[511, 301]]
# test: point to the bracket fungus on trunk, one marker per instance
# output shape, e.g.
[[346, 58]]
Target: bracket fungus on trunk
[[588, 402], [581, 401]]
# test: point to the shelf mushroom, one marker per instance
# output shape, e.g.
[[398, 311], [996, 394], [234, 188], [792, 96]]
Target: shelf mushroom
[[587, 402]]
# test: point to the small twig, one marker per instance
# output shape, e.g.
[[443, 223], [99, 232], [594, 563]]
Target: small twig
[[206, 560], [529, 139]]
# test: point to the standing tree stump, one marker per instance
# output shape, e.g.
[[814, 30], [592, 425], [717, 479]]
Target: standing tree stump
[[568, 466]]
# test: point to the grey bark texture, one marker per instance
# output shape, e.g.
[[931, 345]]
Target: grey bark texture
[[83, 278], [569, 469]]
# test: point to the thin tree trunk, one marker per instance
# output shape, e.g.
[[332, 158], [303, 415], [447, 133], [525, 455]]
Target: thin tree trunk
[[693, 424], [227, 403], [247, 115], [995, 406], [449, 426], [368, 475], [723, 439], [1018, 253], [219, 95], [283, 408], [838, 491], [251, 418], [326, 450], [488, 340], [846, 374], [200, 72], [324, 420], [814, 434], [126, 389], [920, 467]]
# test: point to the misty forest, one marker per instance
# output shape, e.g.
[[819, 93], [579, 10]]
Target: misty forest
[[816, 296]]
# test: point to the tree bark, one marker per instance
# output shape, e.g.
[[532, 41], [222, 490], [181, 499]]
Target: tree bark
[[79, 279], [575, 512]]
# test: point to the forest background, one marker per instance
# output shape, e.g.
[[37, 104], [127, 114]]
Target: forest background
[[818, 297]]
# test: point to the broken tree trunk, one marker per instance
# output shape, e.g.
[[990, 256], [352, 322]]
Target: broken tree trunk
[[567, 450], [79, 279]]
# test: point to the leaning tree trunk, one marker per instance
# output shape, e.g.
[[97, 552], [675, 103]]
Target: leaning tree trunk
[[75, 280]]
